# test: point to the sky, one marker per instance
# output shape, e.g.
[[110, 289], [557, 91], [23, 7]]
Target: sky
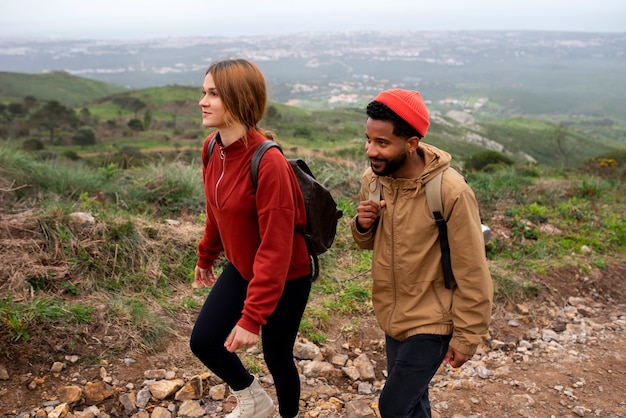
[[143, 19]]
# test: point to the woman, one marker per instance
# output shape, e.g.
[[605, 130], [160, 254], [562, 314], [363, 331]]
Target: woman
[[265, 285]]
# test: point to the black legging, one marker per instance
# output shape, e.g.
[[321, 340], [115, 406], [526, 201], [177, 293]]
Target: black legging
[[221, 311]]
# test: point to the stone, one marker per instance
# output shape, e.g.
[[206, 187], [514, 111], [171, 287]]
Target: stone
[[4, 373], [128, 401], [191, 409], [160, 412], [191, 390], [164, 388], [96, 392], [70, 394]]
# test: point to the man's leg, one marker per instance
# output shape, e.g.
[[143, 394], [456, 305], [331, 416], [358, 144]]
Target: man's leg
[[411, 365]]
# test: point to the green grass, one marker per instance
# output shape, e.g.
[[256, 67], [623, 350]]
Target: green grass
[[19, 320], [128, 254]]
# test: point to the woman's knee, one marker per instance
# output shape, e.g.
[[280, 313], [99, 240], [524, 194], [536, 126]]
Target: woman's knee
[[202, 342], [195, 344]]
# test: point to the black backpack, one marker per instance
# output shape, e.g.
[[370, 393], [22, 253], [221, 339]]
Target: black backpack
[[322, 213]]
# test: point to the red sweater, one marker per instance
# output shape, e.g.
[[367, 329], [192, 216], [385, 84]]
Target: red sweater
[[255, 229]]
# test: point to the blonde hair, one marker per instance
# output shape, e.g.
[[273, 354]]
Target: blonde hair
[[241, 86]]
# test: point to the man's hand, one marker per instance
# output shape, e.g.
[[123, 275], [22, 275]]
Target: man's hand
[[455, 358], [238, 338], [204, 277], [367, 212]]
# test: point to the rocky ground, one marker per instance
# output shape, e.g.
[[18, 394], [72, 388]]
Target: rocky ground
[[555, 357], [558, 354]]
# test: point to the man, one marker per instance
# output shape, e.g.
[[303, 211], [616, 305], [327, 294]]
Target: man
[[425, 323]]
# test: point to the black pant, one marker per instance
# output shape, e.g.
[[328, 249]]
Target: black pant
[[220, 313], [411, 365]]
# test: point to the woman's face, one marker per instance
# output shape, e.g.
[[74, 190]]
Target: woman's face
[[213, 111]]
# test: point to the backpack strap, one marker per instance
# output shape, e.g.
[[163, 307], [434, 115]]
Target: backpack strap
[[375, 190], [209, 148], [256, 159], [433, 198]]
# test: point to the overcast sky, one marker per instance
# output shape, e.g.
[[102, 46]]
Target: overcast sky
[[129, 19]]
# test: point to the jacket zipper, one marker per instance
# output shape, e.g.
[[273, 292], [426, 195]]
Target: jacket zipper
[[219, 180], [393, 254]]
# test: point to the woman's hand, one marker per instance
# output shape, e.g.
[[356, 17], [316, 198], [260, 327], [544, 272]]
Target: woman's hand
[[204, 277], [238, 338]]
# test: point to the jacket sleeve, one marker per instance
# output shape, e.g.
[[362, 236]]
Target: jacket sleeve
[[363, 238], [473, 294]]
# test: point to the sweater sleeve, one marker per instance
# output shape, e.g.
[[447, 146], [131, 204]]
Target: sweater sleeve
[[280, 207], [210, 245]]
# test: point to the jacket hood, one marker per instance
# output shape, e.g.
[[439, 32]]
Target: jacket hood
[[435, 160]]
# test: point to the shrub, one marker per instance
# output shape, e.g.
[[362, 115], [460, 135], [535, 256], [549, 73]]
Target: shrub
[[488, 161], [135, 125], [85, 135], [32, 144]]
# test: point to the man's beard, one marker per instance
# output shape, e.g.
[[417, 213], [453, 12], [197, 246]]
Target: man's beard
[[390, 166]]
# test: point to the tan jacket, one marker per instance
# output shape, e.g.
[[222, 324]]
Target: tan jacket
[[408, 292]]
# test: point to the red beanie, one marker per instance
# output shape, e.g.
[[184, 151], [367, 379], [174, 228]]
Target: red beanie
[[407, 104]]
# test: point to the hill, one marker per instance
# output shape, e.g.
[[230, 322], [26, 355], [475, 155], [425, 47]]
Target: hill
[[60, 86], [167, 118]]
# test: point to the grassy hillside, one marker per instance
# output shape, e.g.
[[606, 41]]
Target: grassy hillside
[[125, 271], [60, 86], [168, 119]]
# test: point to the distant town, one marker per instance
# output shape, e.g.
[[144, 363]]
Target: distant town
[[321, 70]]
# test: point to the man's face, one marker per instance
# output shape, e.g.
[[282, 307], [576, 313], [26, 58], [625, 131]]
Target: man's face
[[387, 152]]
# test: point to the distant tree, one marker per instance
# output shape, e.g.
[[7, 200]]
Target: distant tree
[[52, 116], [85, 135], [178, 107], [85, 115], [3, 108], [30, 102], [147, 119], [130, 103], [17, 109], [136, 105], [272, 115], [135, 125]]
